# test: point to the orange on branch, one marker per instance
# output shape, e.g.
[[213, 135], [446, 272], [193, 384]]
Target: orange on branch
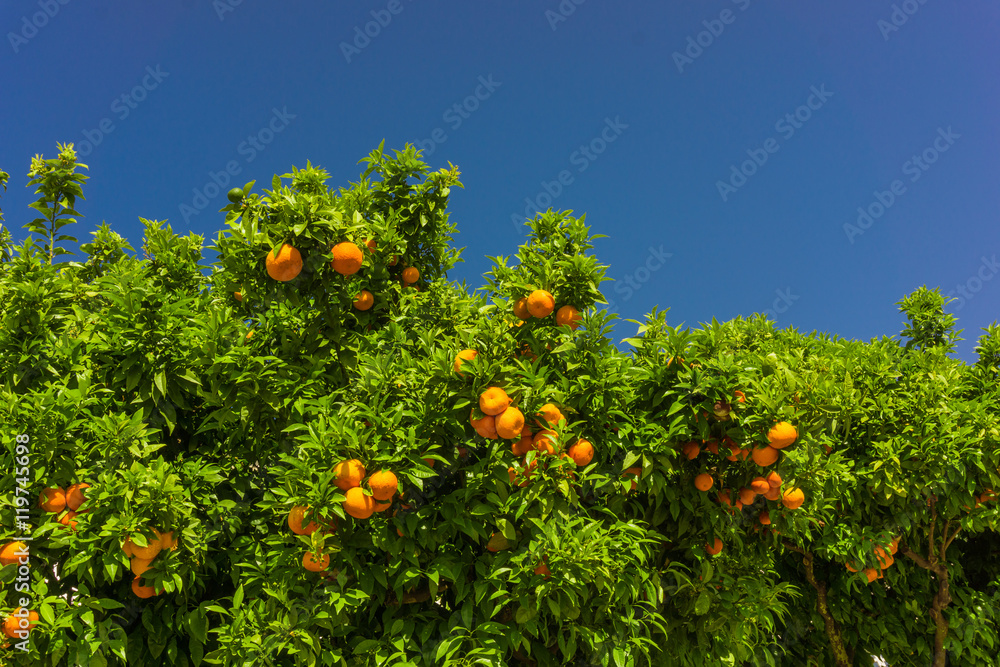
[[349, 474], [703, 482], [383, 485], [358, 504], [509, 423], [540, 303], [568, 316], [781, 435], [364, 300], [52, 499], [582, 452], [347, 258], [464, 355], [493, 401]]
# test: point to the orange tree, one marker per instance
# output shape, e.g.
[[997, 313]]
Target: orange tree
[[320, 451]]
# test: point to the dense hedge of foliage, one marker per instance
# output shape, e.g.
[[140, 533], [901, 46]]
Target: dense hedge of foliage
[[183, 410]]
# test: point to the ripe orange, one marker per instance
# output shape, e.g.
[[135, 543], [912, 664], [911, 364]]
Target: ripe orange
[[760, 485], [142, 591], [884, 559], [238, 296], [871, 573], [69, 520], [485, 426], [521, 308], [747, 496], [774, 493], [540, 303], [493, 401], [543, 570], [381, 507], [551, 414], [714, 548], [545, 441], [724, 498], [525, 444], [509, 423], [315, 563], [765, 518], [12, 624], [364, 300], [711, 446], [774, 479], [411, 275], [393, 260], [691, 450], [371, 244], [52, 500], [74, 495], [764, 456], [153, 546], [894, 547], [168, 541], [703, 482], [781, 435], [357, 504], [793, 499], [569, 316], [740, 396], [383, 485], [636, 473], [140, 565], [464, 355], [851, 566], [347, 258], [582, 452], [285, 264], [12, 552], [349, 474], [295, 518]]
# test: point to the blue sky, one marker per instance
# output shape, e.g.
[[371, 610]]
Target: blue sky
[[721, 145]]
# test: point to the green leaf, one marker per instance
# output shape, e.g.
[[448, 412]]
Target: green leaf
[[702, 604]]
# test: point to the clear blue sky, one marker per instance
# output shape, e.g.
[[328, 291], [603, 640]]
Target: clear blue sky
[[674, 126]]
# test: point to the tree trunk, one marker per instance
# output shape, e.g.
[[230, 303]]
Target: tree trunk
[[941, 600], [840, 655]]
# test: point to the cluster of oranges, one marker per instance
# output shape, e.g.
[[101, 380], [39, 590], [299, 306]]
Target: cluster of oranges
[[55, 499], [540, 303], [358, 504], [141, 558], [780, 436], [884, 559]]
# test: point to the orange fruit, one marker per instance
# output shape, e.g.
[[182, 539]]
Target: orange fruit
[[544, 441], [764, 456], [381, 507], [747, 496], [127, 548], [582, 452], [774, 479], [569, 316], [284, 264], [12, 624], [371, 245], [871, 573], [153, 546], [691, 450], [509, 423], [543, 570], [714, 548], [894, 547], [357, 504], [551, 414], [781, 435], [525, 444], [636, 473], [74, 495], [884, 559], [411, 275], [485, 426], [364, 300], [168, 541], [349, 474], [393, 260], [383, 485], [724, 498], [521, 309], [142, 591], [295, 518], [52, 500], [493, 401], [315, 563], [12, 552], [793, 499], [760, 485], [851, 566], [774, 493], [703, 482], [464, 355], [140, 565], [740, 396], [540, 303], [347, 258], [765, 518], [238, 296], [69, 520]]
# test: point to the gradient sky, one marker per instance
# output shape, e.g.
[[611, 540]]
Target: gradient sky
[[562, 73]]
